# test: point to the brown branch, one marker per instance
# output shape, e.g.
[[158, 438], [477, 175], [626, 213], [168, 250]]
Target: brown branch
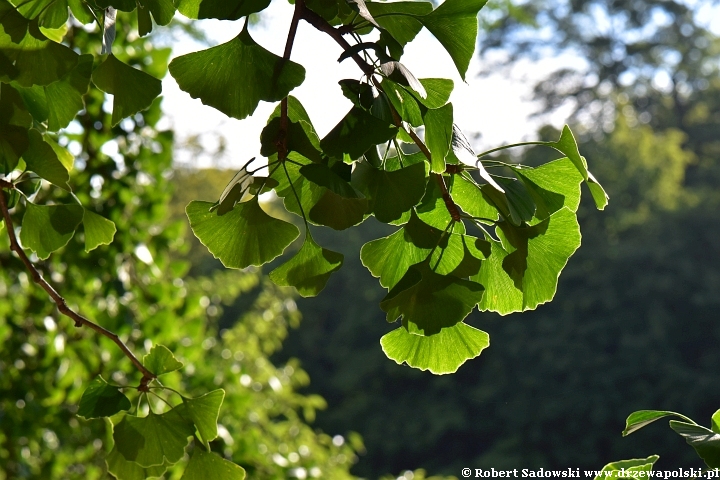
[[281, 140], [62, 306], [321, 24]]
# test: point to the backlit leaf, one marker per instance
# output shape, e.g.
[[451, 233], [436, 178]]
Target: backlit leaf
[[356, 133], [133, 90], [126, 470], [552, 186], [242, 237], [441, 353], [705, 442], [438, 135], [309, 269], [98, 230], [101, 399], [523, 268], [429, 302], [42, 159], [153, 440], [235, 76], [161, 360], [634, 468], [468, 196], [397, 18], [641, 418], [204, 411], [220, 9], [46, 228], [390, 194], [204, 465]]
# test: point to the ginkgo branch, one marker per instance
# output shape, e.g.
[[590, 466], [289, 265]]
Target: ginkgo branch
[[60, 302]]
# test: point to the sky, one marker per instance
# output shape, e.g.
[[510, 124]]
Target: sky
[[492, 110]]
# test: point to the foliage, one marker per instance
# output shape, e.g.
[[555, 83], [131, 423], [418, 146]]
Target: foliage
[[436, 271]]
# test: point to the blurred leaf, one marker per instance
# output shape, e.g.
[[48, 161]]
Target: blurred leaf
[[390, 257], [309, 269], [133, 90], [454, 23], [429, 302], [628, 468], [206, 465], [46, 228], [220, 9], [705, 442], [98, 230], [242, 237], [235, 76], [441, 353], [101, 399], [356, 133], [523, 268], [42, 159], [390, 194], [153, 440], [204, 411], [438, 135], [161, 360]]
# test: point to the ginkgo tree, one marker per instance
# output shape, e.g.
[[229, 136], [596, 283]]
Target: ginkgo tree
[[472, 231]]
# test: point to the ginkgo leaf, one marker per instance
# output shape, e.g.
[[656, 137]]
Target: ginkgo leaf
[[552, 186], [598, 192], [397, 18], [390, 257], [429, 301], [567, 145], [462, 150], [42, 159], [205, 465], [220, 9], [635, 468], [441, 353], [523, 269], [454, 23], [363, 11], [403, 102], [309, 269], [153, 440], [242, 237], [46, 228], [705, 441], [390, 194], [101, 399], [204, 411], [161, 360], [127, 470], [235, 76], [438, 135], [641, 418], [356, 133], [133, 90], [390, 67], [468, 196], [98, 230], [340, 206]]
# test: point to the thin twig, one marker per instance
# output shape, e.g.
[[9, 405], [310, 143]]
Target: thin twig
[[62, 306], [281, 141]]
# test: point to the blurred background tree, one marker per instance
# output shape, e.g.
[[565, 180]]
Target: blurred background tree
[[142, 288]]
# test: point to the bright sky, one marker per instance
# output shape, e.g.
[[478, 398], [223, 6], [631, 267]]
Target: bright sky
[[496, 106]]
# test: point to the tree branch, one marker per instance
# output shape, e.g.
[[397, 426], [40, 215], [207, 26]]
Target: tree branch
[[62, 306], [281, 141], [321, 24]]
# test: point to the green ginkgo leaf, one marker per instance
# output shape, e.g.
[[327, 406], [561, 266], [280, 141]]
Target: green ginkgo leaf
[[356, 133], [242, 237], [468, 196], [153, 440], [126, 470], [309, 270], [204, 465], [98, 230], [454, 23], [42, 159], [161, 360], [204, 411], [552, 186], [397, 18], [101, 399], [390, 193], [340, 206], [641, 418], [598, 192], [235, 76], [220, 9], [133, 90], [705, 441], [567, 145], [634, 468], [46, 228], [441, 353], [292, 185], [523, 268], [390, 257], [429, 302], [438, 135]]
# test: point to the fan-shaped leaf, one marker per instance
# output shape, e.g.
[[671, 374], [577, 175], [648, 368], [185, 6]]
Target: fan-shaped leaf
[[133, 90], [468, 196], [390, 194], [126, 470], [204, 465], [101, 399], [309, 270], [552, 186], [161, 360], [46, 228], [356, 133], [397, 18], [153, 440], [628, 468], [235, 76], [438, 135], [705, 442], [242, 237], [42, 159], [441, 353], [204, 411], [98, 230]]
